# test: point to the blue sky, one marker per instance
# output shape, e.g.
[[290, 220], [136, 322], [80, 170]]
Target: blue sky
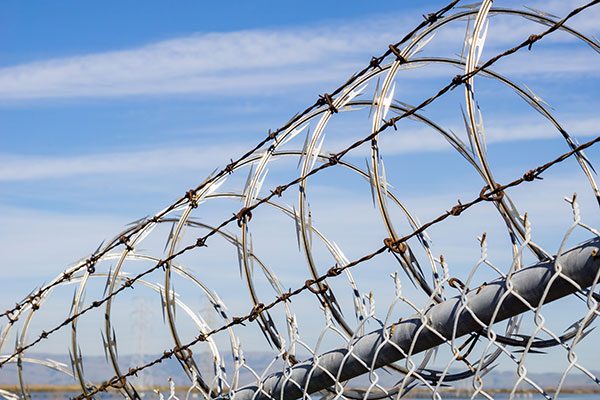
[[111, 111]]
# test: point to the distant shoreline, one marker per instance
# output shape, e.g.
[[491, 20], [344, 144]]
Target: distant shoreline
[[414, 393]]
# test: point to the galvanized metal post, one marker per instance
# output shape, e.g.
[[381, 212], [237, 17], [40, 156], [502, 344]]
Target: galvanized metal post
[[580, 264]]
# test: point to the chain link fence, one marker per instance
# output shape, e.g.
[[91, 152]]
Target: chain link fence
[[438, 330]]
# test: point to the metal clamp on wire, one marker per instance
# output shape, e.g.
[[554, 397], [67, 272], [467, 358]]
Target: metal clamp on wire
[[184, 354], [490, 196], [319, 289], [395, 246], [326, 99], [124, 240], [290, 358], [243, 216], [190, 195], [119, 383], [397, 53], [456, 283], [256, 310]]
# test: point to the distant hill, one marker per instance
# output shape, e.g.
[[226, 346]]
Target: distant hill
[[97, 369]]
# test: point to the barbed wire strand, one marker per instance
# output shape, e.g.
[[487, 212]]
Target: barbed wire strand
[[272, 135], [336, 270], [485, 195], [333, 160]]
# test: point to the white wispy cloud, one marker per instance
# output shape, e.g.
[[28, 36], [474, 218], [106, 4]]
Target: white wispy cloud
[[19, 168], [238, 62], [15, 168], [207, 63]]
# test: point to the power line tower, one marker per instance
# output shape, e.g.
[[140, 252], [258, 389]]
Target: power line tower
[[142, 323]]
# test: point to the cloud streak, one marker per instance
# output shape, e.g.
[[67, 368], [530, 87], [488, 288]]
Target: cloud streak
[[14, 168], [209, 63], [235, 62], [20, 168]]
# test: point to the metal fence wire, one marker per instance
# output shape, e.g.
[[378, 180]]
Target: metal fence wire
[[440, 331]]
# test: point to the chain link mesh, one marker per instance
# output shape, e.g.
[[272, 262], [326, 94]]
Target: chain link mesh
[[438, 330]]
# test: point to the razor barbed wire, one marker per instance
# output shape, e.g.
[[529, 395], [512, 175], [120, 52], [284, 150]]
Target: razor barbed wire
[[334, 271], [126, 236], [329, 105], [272, 136], [334, 158], [375, 64], [384, 128]]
